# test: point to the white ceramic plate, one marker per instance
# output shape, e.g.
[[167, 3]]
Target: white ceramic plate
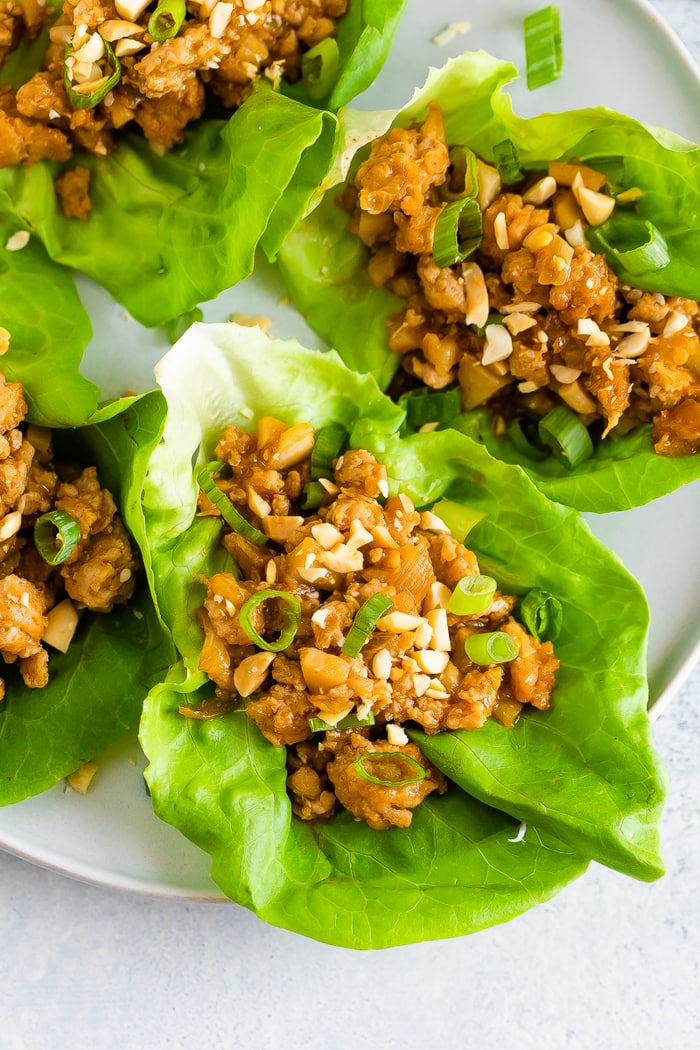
[[617, 53]]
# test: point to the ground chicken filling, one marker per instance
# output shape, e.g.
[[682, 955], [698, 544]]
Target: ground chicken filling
[[104, 69], [357, 546], [534, 318], [40, 603]]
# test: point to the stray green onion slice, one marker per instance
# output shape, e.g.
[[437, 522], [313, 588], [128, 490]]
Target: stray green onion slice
[[431, 406], [83, 100], [166, 20], [364, 623], [542, 614], [389, 758], [312, 495], [56, 535], [566, 436], [328, 441], [460, 520], [473, 594], [290, 619], [462, 180], [495, 647], [505, 157], [633, 243], [543, 46], [319, 67], [458, 231], [523, 433], [205, 480], [317, 725]]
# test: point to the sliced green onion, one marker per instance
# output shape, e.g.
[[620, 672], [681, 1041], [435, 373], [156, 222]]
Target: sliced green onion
[[319, 68], [505, 157], [458, 231], [522, 431], [317, 725], [364, 623], [179, 325], [460, 520], [290, 619], [56, 535], [328, 441], [542, 614], [495, 647], [566, 436], [462, 179], [79, 99], [473, 594], [431, 406], [378, 758], [205, 480], [543, 46], [166, 20], [312, 495], [633, 243]]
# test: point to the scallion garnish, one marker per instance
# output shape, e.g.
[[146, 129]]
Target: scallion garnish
[[566, 436], [290, 619], [56, 535], [462, 180], [523, 433], [633, 243], [328, 441], [205, 480], [543, 46], [166, 20], [458, 231], [460, 520], [364, 764], [78, 94], [541, 613], [319, 67], [312, 495], [505, 158], [317, 725], [495, 647], [431, 406], [366, 618], [473, 594]]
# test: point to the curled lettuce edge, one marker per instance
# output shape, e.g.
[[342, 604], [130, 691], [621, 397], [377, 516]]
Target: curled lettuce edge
[[325, 268], [584, 775], [96, 689]]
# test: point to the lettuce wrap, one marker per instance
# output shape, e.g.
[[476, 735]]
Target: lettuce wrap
[[325, 267], [168, 232], [584, 776], [96, 689]]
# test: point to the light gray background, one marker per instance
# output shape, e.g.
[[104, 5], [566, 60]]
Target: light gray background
[[610, 963]]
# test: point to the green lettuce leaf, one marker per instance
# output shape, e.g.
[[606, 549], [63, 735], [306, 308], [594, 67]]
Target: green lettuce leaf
[[49, 329], [584, 775], [96, 689], [325, 267]]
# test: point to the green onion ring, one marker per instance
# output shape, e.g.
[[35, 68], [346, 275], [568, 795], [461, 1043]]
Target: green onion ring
[[458, 231], [380, 756], [290, 619], [564, 433], [543, 47], [52, 528], [205, 480], [317, 725], [166, 20], [77, 99], [473, 594], [431, 406], [633, 243], [313, 495], [505, 157], [494, 647], [461, 179], [364, 623], [328, 442]]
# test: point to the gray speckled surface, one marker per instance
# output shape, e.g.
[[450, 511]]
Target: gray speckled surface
[[611, 962]]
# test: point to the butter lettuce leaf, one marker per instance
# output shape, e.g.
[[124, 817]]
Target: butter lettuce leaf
[[325, 267], [584, 775]]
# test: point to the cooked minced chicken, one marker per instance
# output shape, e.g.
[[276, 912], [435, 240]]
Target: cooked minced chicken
[[412, 668], [570, 333], [39, 603], [221, 47]]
